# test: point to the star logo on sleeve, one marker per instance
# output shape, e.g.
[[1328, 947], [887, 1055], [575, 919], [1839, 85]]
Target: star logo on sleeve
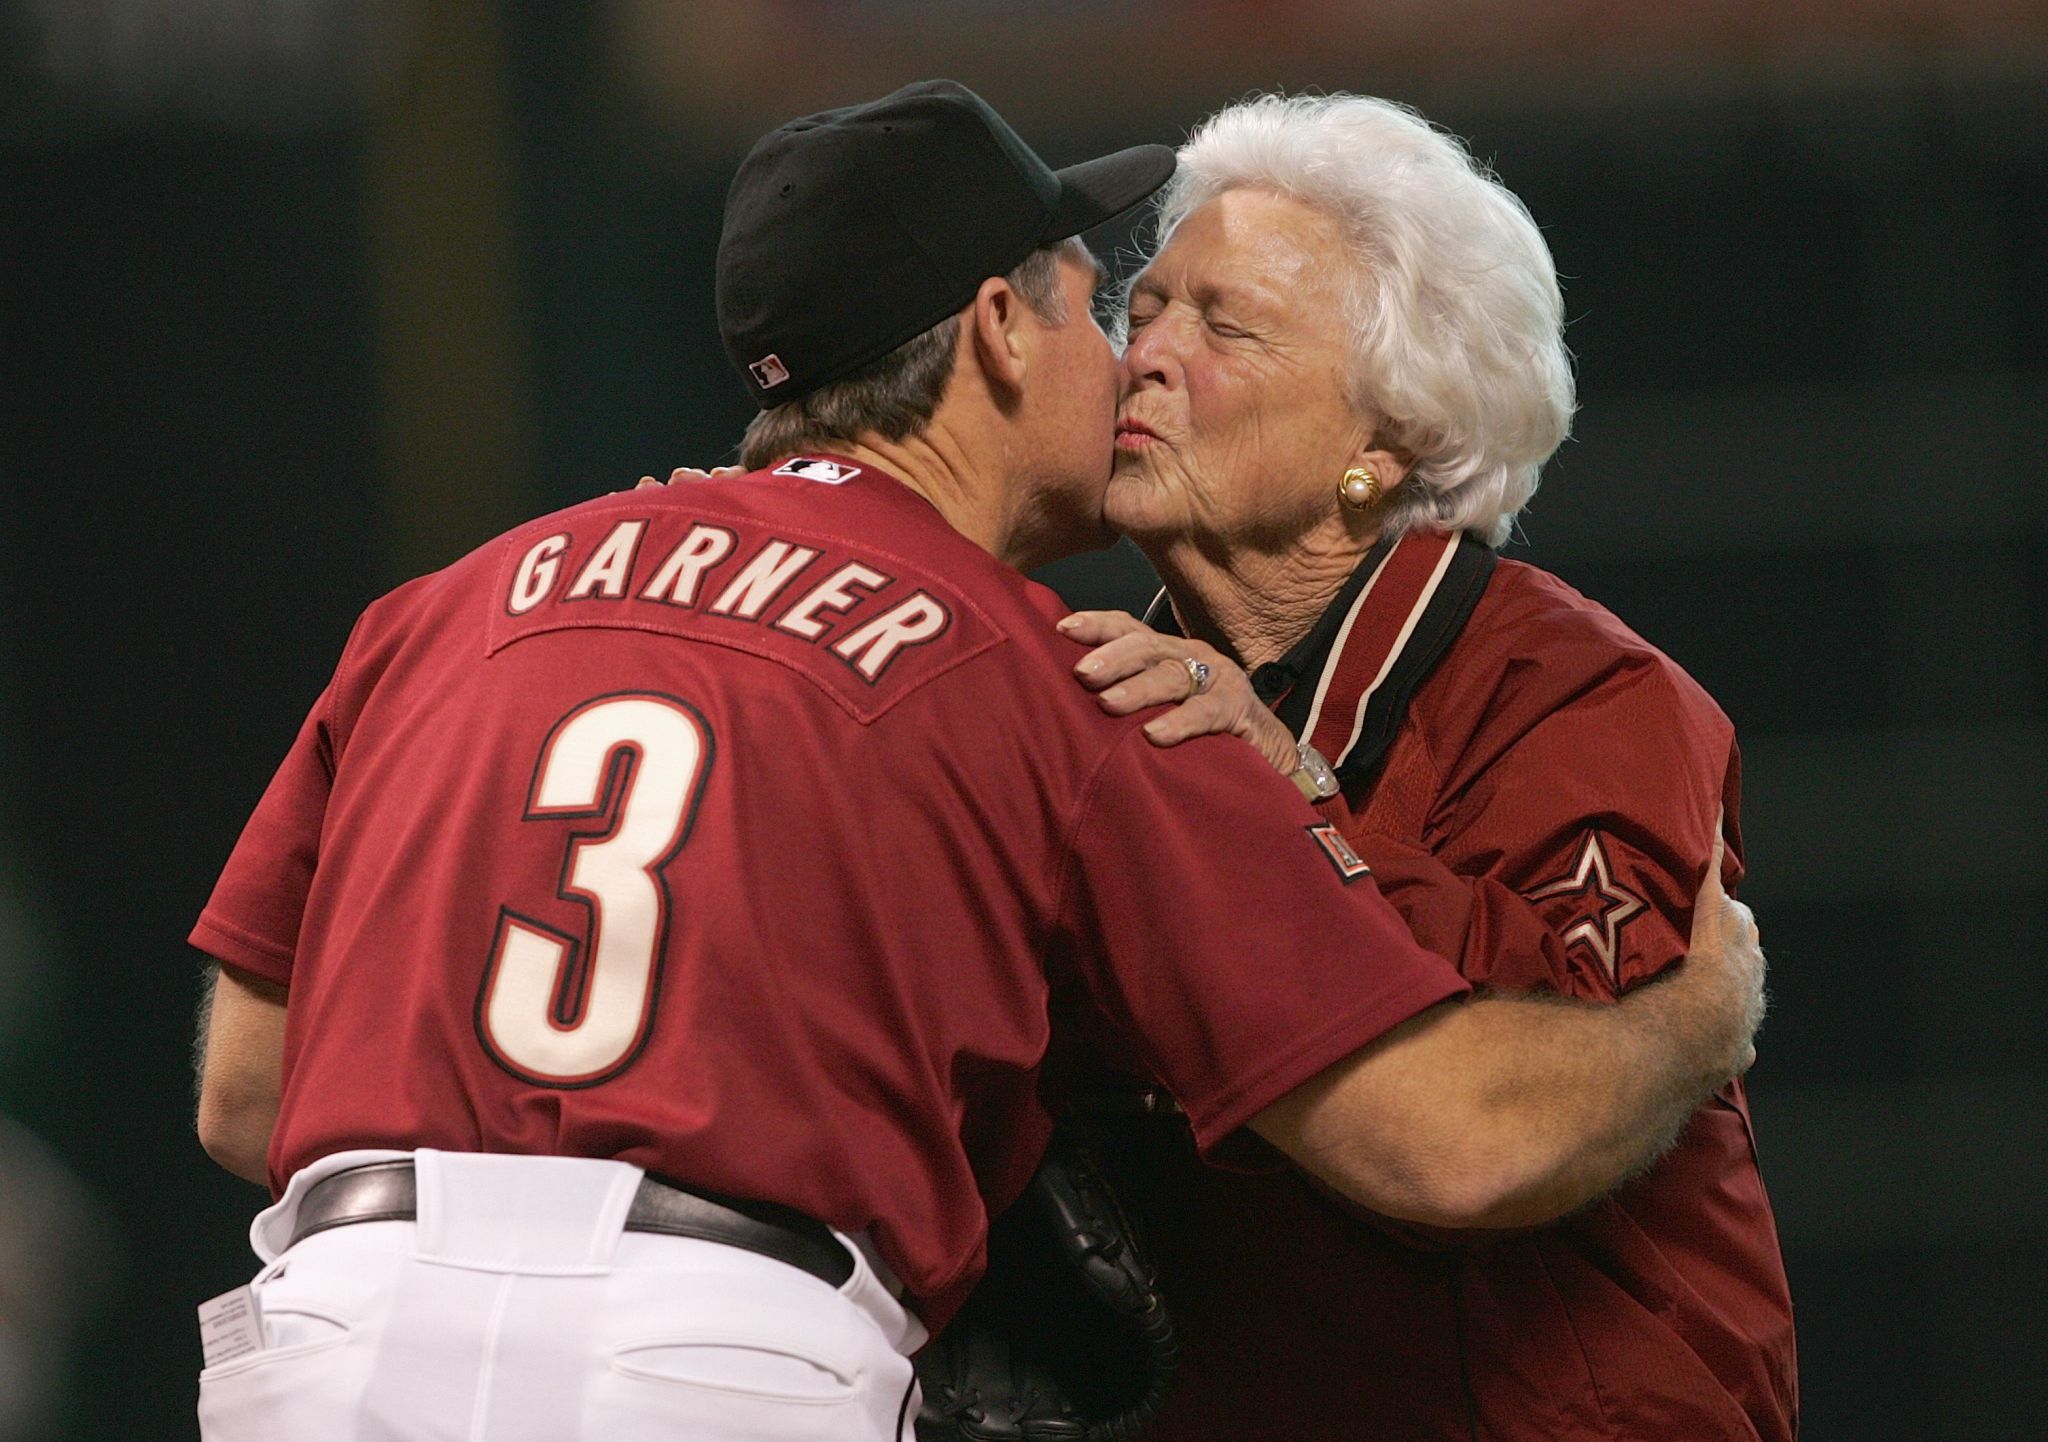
[[1611, 906]]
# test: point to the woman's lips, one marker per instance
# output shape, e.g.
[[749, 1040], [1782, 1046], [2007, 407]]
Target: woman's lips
[[1134, 435]]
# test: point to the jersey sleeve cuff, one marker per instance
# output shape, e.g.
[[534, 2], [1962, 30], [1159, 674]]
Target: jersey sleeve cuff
[[1223, 1117], [231, 947]]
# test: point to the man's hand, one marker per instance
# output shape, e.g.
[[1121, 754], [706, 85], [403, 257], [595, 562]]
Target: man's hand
[[1133, 667], [1509, 1111], [1725, 938], [691, 473]]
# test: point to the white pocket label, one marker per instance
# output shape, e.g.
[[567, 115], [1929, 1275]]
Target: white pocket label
[[230, 1326]]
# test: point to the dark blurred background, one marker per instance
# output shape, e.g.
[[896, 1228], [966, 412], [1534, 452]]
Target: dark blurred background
[[301, 297]]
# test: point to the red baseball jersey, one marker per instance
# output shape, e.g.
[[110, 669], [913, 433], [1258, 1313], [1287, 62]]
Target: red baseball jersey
[[1542, 814], [741, 831]]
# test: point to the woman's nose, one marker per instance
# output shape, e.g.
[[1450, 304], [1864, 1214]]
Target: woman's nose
[[1149, 357]]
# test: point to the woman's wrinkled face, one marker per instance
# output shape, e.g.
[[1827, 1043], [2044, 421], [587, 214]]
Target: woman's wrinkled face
[[1236, 425]]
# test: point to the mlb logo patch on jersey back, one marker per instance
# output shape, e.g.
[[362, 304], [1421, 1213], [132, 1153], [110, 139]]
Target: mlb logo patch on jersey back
[[816, 468], [1339, 851]]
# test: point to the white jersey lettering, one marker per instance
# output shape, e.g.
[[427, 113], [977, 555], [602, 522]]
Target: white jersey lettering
[[912, 622], [682, 572], [830, 594], [608, 570], [570, 1011], [865, 615], [759, 581], [536, 575]]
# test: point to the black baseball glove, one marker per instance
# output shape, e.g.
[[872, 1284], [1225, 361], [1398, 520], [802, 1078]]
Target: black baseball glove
[[1067, 1339]]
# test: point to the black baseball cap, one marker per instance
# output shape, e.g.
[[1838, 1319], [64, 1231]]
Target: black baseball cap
[[850, 231]]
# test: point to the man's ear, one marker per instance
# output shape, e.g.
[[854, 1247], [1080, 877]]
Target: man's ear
[[997, 325]]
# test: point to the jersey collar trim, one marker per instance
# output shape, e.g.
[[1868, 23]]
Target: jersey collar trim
[[884, 487], [1351, 677]]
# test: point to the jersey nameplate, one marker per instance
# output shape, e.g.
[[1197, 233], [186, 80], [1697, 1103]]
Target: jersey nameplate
[[776, 592]]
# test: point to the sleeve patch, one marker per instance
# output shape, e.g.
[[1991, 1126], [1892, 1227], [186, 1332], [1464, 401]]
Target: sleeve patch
[[1338, 850], [1601, 905]]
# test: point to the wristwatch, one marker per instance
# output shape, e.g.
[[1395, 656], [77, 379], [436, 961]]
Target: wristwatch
[[1313, 774]]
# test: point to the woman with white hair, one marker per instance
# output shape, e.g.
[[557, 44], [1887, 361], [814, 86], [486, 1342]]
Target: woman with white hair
[[1344, 371]]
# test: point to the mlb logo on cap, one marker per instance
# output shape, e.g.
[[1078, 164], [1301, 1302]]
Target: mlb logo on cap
[[769, 371]]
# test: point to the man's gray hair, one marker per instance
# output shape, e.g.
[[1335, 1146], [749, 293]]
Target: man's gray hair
[[1457, 325], [897, 395]]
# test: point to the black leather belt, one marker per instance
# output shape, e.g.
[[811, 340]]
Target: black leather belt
[[387, 1192]]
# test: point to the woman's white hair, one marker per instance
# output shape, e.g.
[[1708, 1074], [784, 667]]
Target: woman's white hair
[[1457, 323]]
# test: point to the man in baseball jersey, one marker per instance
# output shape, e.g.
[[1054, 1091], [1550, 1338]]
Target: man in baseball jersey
[[635, 983]]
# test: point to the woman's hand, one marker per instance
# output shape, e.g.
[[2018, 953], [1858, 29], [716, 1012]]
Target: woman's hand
[[691, 473], [1133, 666]]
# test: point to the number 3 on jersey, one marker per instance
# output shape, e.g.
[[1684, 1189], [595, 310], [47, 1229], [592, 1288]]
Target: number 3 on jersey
[[570, 1011]]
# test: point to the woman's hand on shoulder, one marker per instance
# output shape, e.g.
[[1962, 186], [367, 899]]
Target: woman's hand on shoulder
[[691, 473], [1133, 667]]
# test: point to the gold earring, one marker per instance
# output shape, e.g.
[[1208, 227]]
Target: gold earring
[[1360, 488]]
